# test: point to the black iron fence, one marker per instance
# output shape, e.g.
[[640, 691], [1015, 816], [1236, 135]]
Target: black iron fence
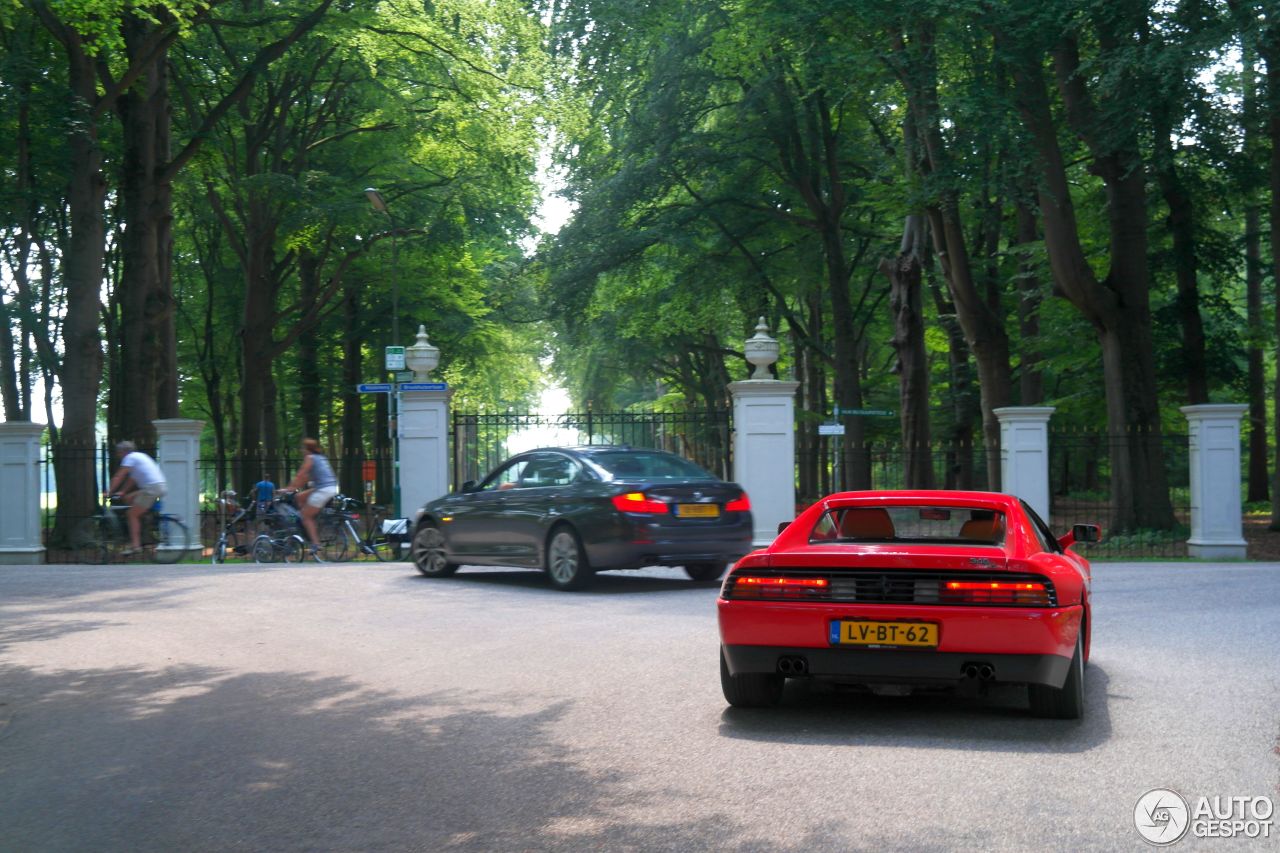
[[1139, 522], [831, 464], [482, 441]]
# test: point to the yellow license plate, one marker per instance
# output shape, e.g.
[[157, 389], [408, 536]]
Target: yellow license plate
[[698, 510], [866, 633]]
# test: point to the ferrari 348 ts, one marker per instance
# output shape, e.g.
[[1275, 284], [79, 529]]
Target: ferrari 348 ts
[[899, 590]]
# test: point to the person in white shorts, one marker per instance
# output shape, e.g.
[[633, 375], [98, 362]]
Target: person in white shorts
[[324, 485], [146, 486]]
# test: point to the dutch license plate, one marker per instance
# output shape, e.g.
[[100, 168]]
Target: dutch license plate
[[863, 632], [698, 510]]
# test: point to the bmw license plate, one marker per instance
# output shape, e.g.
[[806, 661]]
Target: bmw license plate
[[863, 632], [698, 510]]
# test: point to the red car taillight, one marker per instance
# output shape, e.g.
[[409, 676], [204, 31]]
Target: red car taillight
[[995, 592], [741, 504], [760, 586], [640, 502]]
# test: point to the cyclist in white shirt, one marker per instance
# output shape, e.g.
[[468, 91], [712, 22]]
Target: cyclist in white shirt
[[148, 486]]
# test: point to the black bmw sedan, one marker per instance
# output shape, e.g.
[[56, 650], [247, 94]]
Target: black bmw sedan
[[574, 511]]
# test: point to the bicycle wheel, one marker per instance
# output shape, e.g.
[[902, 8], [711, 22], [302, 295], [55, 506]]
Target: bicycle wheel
[[172, 540], [384, 550], [89, 540], [220, 549], [264, 550], [333, 541], [293, 549]]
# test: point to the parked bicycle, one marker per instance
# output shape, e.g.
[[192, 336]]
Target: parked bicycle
[[233, 537], [105, 535], [338, 536]]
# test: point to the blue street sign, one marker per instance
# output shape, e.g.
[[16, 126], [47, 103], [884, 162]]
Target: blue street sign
[[375, 388], [423, 386]]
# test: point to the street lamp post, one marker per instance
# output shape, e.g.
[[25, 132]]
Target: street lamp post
[[380, 204]]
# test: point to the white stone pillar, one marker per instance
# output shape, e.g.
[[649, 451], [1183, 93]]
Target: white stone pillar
[[1024, 454], [764, 451], [1214, 445], [424, 448], [178, 453], [20, 540]]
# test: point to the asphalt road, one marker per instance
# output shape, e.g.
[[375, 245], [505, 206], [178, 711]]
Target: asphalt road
[[362, 707]]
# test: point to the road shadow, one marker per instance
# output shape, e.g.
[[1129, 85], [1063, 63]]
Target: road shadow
[[815, 713], [605, 583], [200, 758]]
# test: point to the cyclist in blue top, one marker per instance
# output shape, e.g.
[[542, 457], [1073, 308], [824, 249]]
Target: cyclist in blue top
[[324, 485], [264, 493]]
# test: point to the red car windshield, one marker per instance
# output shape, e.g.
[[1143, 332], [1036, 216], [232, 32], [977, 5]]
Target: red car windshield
[[929, 525]]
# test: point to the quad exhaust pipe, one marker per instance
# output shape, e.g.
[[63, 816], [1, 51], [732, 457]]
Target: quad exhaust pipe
[[793, 666], [978, 671]]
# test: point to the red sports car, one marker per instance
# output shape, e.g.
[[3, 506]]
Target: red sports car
[[897, 590]]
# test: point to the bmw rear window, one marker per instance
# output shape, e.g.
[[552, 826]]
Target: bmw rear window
[[929, 525], [653, 465]]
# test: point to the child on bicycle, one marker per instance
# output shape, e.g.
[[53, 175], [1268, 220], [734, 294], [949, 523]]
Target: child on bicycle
[[146, 485]]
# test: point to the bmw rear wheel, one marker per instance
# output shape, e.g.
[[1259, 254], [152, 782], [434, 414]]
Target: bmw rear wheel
[[566, 562], [750, 689], [704, 571], [1066, 702], [429, 553]]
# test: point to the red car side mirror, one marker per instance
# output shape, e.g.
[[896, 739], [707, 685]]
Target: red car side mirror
[[1081, 533]]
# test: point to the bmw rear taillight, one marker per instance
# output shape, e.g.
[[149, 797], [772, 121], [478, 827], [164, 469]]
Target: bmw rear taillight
[[1023, 593], [640, 502], [748, 586], [739, 504]]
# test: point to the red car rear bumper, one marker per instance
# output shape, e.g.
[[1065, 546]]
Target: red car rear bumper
[[1021, 644]]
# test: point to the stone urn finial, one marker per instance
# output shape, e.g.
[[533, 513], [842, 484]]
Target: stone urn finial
[[761, 350], [422, 357]]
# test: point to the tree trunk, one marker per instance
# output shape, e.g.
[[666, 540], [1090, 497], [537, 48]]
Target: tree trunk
[[308, 349], [147, 343], [1031, 376], [1181, 223], [1118, 308], [1269, 48], [352, 408], [964, 409], [81, 376], [907, 306]]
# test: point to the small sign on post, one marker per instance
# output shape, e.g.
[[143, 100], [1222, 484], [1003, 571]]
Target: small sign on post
[[830, 429], [395, 358]]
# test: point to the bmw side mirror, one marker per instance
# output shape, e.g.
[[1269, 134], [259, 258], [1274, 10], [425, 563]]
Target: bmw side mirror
[[783, 525], [468, 486]]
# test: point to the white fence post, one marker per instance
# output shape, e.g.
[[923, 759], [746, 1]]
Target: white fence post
[[423, 433], [1214, 446], [178, 454], [1024, 454], [20, 484]]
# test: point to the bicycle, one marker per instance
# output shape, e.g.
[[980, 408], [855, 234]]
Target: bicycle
[[283, 521], [278, 547], [338, 533], [105, 534], [234, 535]]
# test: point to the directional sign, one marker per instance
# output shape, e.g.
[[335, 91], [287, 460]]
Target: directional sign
[[375, 388], [395, 358], [423, 386], [864, 413], [830, 429]]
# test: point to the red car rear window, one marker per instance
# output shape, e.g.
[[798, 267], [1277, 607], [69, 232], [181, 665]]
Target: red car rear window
[[933, 525]]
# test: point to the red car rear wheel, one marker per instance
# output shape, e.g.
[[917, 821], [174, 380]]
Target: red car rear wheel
[[750, 689]]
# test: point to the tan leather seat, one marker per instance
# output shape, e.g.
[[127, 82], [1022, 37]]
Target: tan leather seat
[[866, 524], [983, 529]]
